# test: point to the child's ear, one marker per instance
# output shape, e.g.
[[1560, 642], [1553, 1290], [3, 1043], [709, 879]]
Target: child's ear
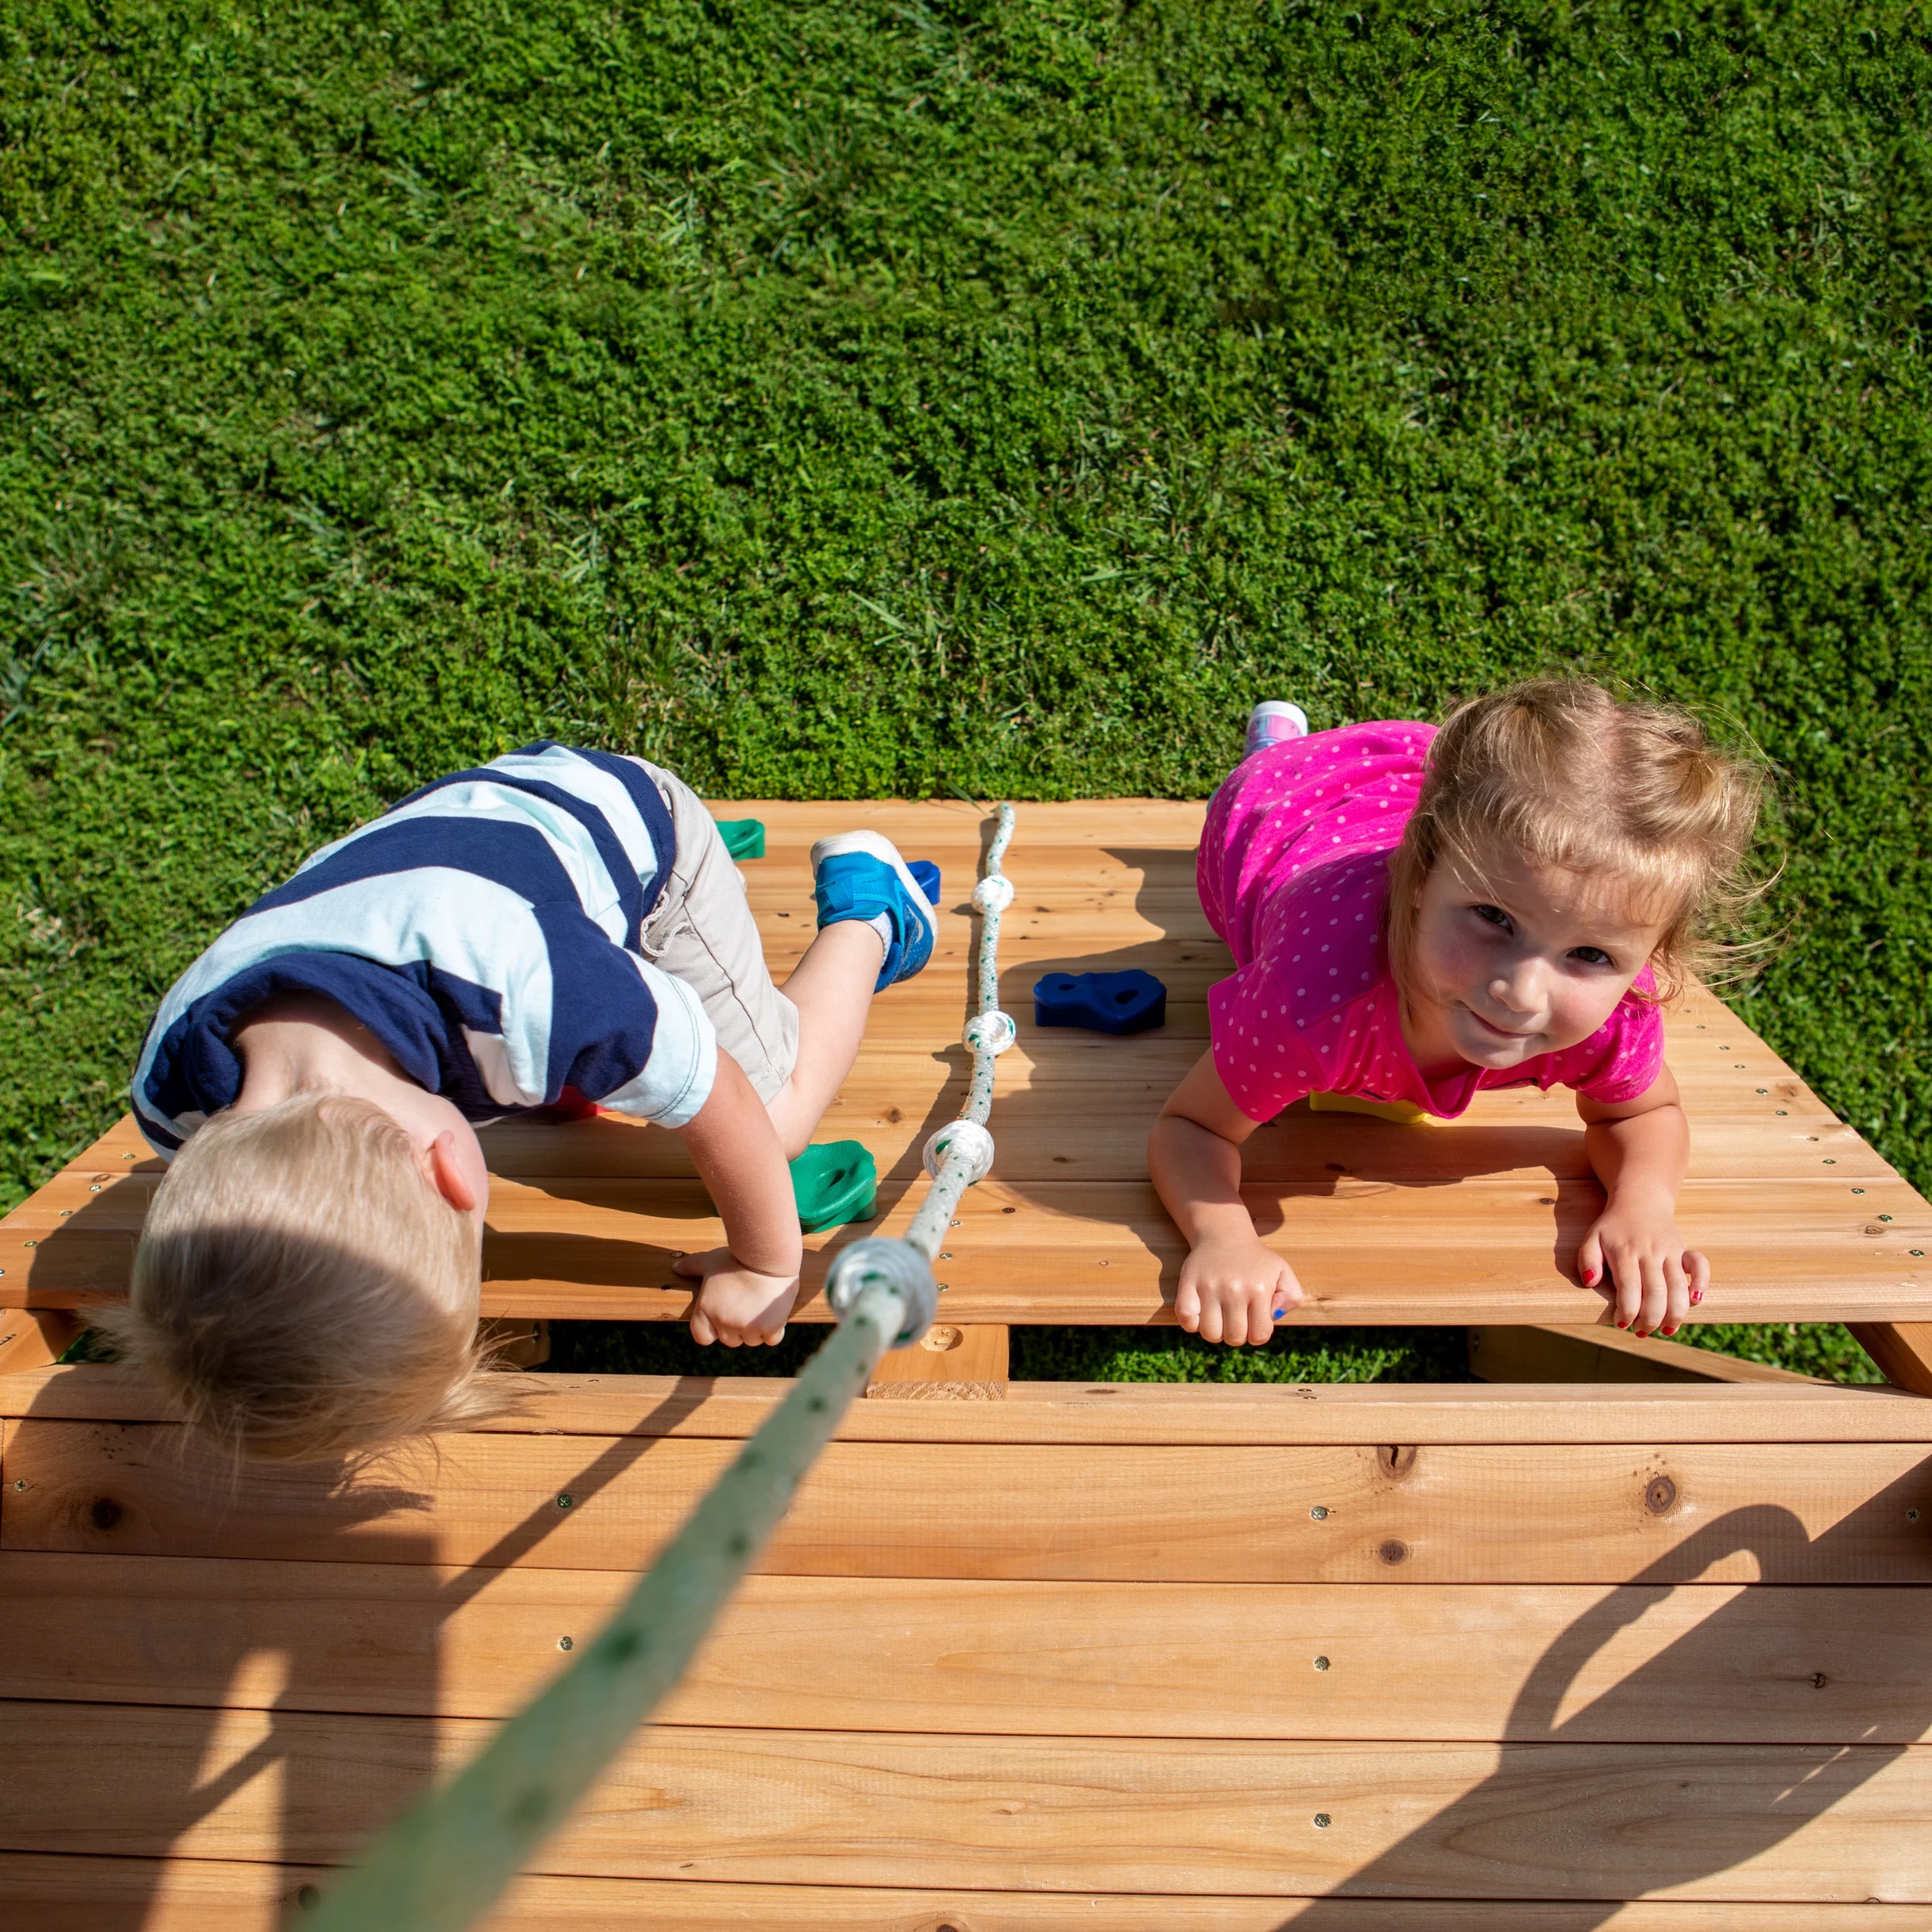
[[446, 1171]]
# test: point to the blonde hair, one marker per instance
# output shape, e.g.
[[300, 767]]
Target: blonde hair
[[301, 1291], [1557, 772]]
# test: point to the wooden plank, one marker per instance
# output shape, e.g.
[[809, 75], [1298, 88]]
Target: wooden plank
[[1073, 1099], [1848, 1512], [1902, 1351], [948, 1364], [730, 1408], [36, 1338], [1491, 1250], [1699, 1664], [1735, 1822], [1549, 1353], [43, 1893]]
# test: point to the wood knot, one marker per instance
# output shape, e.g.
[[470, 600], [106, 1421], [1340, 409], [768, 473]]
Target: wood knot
[[1396, 1460], [1393, 1552], [1660, 1496], [104, 1513]]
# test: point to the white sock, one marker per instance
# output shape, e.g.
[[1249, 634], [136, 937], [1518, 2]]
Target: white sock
[[882, 926]]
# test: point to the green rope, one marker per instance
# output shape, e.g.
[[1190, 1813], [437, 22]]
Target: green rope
[[445, 1863]]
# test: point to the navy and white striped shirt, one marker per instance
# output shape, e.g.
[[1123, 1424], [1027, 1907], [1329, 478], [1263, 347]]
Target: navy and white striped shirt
[[485, 931]]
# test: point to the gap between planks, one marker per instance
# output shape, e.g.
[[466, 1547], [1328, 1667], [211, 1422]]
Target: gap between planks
[[730, 1408], [46, 1894]]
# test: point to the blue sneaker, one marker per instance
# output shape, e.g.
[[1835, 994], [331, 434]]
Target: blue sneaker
[[859, 875]]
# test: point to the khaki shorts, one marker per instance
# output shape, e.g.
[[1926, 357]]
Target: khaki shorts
[[702, 932]]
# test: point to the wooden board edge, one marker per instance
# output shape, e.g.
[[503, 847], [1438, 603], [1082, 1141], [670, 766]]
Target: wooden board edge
[[54, 1891], [1565, 1351], [1902, 1351], [1339, 1413]]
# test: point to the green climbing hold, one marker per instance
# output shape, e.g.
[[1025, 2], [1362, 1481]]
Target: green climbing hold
[[743, 837], [834, 1183]]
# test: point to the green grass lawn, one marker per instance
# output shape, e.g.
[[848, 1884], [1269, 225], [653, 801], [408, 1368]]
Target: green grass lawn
[[860, 397]]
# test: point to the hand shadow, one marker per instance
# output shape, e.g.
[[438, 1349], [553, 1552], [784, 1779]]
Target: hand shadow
[[238, 1613], [1573, 1812]]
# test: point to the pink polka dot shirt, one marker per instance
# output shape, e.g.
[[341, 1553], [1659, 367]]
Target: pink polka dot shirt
[[1293, 876]]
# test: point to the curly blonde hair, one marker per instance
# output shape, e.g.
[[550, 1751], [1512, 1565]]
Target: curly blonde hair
[[301, 1291], [1558, 773]]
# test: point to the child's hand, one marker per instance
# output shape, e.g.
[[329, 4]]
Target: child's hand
[[1230, 1290], [737, 1305], [1655, 1279]]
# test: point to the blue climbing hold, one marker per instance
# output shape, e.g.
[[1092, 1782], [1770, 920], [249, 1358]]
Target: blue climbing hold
[[1128, 1002], [743, 837], [926, 877], [834, 1183]]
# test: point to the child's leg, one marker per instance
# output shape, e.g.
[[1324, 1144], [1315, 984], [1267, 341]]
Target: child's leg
[[797, 1046], [831, 987]]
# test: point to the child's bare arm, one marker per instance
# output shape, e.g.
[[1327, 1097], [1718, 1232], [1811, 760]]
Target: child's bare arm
[[1640, 1152], [750, 1282], [1231, 1285]]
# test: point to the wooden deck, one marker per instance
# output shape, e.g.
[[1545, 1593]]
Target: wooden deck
[[1476, 1658]]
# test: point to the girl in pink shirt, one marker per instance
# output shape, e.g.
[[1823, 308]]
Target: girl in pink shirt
[[1416, 914]]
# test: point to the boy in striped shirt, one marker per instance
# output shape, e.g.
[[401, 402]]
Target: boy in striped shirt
[[555, 927]]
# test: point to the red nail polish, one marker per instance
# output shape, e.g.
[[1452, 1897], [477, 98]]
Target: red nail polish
[[1697, 1295]]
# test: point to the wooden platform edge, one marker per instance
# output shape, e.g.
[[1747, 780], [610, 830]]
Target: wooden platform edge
[[1902, 1351], [49, 1892], [730, 1408], [951, 1362], [1551, 1351]]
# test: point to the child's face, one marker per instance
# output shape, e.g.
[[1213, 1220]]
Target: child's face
[[1513, 960]]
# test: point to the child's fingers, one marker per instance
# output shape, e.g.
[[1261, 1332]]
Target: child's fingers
[[690, 1265], [1210, 1329], [1261, 1307], [1677, 1291], [1625, 1285], [1697, 1266], [1187, 1305], [701, 1331], [1287, 1292], [1590, 1261], [1656, 1301]]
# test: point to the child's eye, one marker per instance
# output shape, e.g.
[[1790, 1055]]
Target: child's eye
[[1592, 955], [1495, 915]]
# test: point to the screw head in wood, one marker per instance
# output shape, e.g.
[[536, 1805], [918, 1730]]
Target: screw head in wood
[[1911, 1515], [1321, 1663], [1320, 1512], [1322, 1821], [566, 1643], [565, 1501]]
